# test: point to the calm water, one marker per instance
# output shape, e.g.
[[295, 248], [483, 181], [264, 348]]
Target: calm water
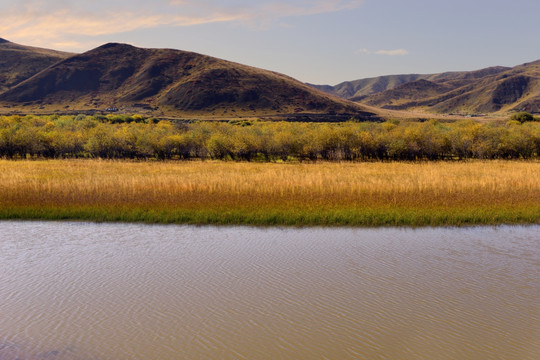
[[109, 291]]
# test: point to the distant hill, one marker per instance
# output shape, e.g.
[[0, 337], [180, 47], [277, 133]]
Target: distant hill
[[356, 90], [490, 90], [170, 82], [359, 89], [515, 89], [18, 62]]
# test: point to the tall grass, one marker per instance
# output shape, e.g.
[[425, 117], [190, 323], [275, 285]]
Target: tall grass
[[398, 193]]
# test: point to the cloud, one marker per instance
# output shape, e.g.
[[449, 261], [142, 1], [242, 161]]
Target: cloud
[[268, 8], [64, 21], [61, 25], [287, 9], [261, 14], [396, 52]]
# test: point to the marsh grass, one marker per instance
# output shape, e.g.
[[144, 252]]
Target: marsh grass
[[211, 192]]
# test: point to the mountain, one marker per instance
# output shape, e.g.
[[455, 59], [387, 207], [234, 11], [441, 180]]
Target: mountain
[[358, 89], [169, 82], [490, 90], [18, 62], [514, 89]]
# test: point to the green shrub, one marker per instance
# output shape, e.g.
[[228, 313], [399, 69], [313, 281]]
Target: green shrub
[[522, 117]]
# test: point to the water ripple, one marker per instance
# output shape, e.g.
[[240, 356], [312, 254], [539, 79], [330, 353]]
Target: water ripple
[[117, 291]]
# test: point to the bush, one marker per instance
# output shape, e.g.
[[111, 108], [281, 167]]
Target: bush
[[522, 117], [48, 137]]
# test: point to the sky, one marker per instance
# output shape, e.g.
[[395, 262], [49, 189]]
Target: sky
[[321, 42]]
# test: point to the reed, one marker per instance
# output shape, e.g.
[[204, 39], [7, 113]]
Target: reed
[[212, 192]]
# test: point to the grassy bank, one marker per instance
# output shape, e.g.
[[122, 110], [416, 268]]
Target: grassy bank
[[354, 194]]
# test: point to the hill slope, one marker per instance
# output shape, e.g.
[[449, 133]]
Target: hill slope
[[490, 90], [169, 82], [357, 89], [18, 62]]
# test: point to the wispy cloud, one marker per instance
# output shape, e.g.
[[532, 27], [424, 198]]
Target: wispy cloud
[[64, 22], [395, 52]]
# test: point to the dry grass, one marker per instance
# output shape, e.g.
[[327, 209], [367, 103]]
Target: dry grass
[[301, 190]]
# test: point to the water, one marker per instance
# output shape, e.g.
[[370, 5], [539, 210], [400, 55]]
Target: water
[[124, 291]]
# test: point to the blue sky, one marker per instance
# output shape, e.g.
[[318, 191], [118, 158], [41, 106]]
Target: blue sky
[[323, 42]]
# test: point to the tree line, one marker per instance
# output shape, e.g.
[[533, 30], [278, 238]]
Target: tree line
[[134, 137]]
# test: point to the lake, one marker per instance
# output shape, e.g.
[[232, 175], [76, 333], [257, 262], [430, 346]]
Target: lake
[[73, 290]]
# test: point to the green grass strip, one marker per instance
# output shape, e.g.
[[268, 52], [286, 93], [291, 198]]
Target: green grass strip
[[356, 217]]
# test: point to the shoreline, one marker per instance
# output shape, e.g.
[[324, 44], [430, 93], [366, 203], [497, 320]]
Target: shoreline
[[368, 218]]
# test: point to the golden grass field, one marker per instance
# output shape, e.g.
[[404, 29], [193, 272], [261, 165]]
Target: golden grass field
[[203, 192]]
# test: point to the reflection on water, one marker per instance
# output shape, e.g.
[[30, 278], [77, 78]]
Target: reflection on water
[[121, 291]]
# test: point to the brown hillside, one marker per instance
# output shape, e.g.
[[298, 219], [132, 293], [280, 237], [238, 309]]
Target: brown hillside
[[170, 82], [485, 91], [357, 90], [18, 62], [409, 92]]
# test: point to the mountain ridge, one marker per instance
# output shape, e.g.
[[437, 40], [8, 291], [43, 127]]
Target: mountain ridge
[[20, 62], [168, 82], [494, 89]]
